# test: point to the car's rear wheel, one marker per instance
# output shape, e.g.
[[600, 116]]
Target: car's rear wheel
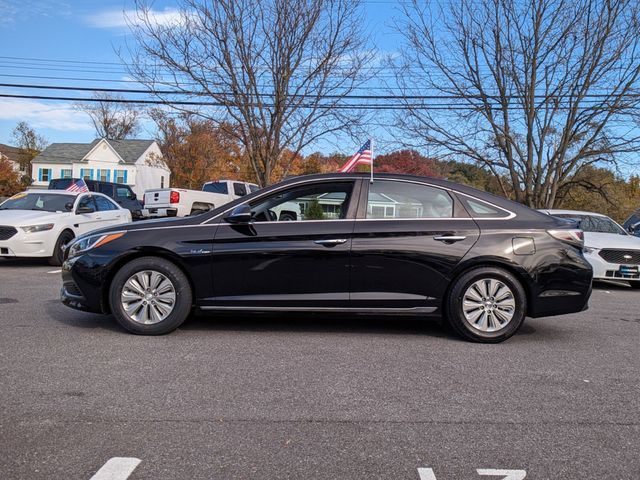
[[486, 304], [150, 296], [58, 251]]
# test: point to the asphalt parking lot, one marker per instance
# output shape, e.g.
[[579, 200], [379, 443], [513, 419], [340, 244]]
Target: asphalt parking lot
[[314, 397]]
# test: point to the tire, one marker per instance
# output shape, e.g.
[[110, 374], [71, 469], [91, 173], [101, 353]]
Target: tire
[[58, 251], [481, 317], [136, 304], [635, 285]]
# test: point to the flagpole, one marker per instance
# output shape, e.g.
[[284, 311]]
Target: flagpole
[[371, 141]]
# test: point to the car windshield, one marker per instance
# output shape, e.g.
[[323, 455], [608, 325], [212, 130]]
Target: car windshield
[[596, 224], [216, 187], [46, 202]]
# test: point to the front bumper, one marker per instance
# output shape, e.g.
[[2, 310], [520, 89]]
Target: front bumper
[[39, 244], [82, 285], [603, 270]]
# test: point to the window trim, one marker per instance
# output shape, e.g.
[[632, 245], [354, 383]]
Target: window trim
[[360, 192]]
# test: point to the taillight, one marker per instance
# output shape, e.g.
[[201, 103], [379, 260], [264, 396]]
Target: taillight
[[174, 197], [573, 236]]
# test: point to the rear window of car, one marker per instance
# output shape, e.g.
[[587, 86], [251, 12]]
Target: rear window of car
[[60, 183], [216, 187]]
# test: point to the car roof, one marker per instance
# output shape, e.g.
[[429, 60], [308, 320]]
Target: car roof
[[64, 192], [53, 192], [571, 212]]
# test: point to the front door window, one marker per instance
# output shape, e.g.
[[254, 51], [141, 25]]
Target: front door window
[[321, 201]]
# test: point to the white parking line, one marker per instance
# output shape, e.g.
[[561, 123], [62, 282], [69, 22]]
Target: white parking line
[[505, 474], [426, 474], [55, 271], [117, 468]]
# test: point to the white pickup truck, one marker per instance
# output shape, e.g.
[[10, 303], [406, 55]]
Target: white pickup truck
[[180, 202]]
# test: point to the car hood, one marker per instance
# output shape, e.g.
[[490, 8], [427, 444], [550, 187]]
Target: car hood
[[611, 240], [29, 217]]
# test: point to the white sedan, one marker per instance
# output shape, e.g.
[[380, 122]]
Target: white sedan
[[611, 251], [40, 223]]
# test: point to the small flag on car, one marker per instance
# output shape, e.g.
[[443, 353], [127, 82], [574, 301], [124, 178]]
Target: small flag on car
[[78, 186], [364, 156]]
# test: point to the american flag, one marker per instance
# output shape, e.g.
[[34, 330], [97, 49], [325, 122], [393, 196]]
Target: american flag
[[78, 186], [362, 156]]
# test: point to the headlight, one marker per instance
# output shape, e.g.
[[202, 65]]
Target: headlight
[[590, 250], [92, 241], [37, 228]]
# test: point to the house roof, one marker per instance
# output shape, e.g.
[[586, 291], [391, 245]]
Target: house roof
[[129, 151], [12, 153]]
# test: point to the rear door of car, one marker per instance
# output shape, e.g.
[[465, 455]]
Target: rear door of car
[[111, 214], [408, 238]]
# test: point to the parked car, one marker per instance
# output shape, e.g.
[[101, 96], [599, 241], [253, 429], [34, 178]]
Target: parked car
[[611, 251], [181, 202], [120, 193], [402, 244], [632, 224], [40, 223]]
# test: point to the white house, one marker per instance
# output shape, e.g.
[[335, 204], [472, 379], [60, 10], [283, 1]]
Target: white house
[[137, 163]]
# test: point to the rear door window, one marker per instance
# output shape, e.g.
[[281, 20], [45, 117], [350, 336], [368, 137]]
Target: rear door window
[[240, 189], [393, 200]]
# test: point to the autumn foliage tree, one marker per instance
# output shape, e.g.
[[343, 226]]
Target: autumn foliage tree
[[198, 150], [10, 181]]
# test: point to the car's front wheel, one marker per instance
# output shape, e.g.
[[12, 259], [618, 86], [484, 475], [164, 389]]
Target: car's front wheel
[[150, 296], [58, 250], [486, 305], [635, 285]]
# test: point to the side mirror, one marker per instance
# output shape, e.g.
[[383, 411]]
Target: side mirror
[[134, 197], [82, 210], [240, 214], [69, 206]]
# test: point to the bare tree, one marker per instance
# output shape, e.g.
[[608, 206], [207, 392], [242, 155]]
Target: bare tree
[[111, 119], [534, 90], [29, 144], [276, 69]]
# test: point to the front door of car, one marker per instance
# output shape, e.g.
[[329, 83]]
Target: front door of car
[[111, 214], [406, 243], [296, 260], [85, 222]]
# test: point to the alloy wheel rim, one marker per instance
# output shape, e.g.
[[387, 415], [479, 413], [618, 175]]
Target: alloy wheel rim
[[488, 305], [148, 297]]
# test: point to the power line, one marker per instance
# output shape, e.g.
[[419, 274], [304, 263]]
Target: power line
[[492, 98], [421, 106]]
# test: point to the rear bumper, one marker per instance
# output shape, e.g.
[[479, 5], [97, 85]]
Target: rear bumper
[[158, 212]]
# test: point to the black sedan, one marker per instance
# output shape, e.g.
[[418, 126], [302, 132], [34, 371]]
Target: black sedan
[[338, 243]]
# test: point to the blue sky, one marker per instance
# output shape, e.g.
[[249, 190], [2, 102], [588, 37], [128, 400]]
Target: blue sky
[[78, 32]]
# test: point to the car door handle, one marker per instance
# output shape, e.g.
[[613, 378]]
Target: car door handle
[[331, 242], [449, 238]]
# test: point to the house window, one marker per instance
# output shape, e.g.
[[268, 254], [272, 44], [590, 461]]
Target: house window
[[120, 176], [104, 175], [162, 181], [66, 173], [86, 173], [44, 174]]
